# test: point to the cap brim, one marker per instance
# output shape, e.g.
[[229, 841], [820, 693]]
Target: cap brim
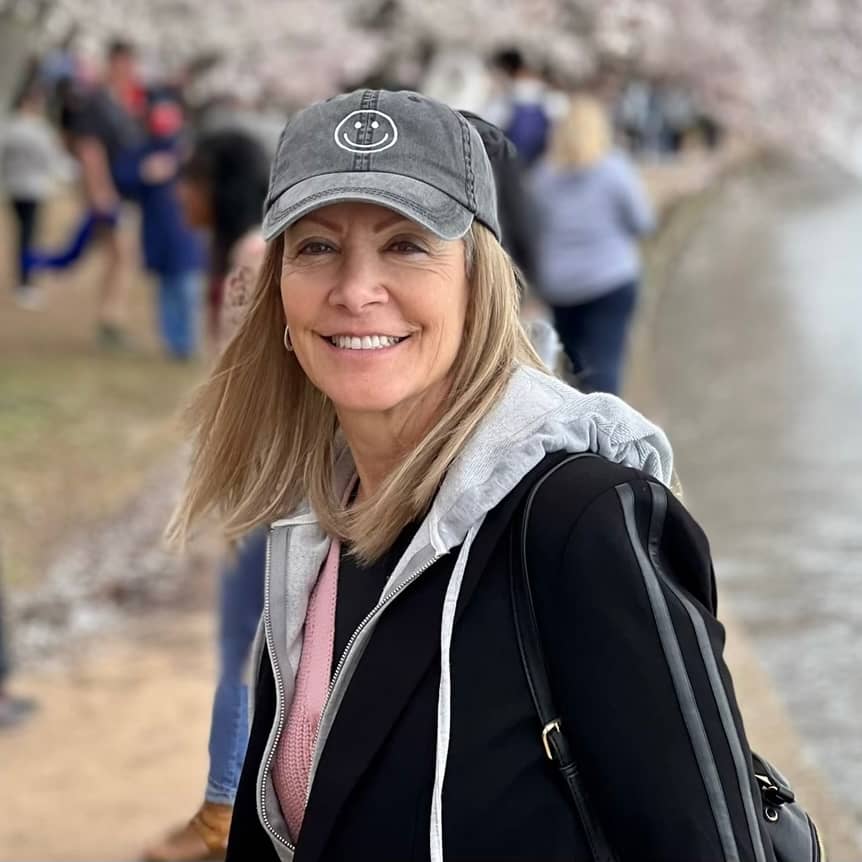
[[418, 201]]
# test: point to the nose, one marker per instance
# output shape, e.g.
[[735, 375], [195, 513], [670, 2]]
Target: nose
[[360, 282]]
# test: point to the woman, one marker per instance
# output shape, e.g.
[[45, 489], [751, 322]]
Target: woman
[[381, 406], [591, 212], [223, 185]]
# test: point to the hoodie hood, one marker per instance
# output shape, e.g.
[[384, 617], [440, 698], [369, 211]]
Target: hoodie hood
[[536, 416]]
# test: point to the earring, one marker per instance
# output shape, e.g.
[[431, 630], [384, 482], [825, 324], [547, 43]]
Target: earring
[[288, 344]]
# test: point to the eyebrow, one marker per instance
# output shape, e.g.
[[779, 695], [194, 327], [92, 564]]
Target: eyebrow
[[390, 220], [313, 217], [395, 218]]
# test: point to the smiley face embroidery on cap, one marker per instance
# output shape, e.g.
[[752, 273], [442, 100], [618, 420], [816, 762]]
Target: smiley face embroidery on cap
[[358, 124]]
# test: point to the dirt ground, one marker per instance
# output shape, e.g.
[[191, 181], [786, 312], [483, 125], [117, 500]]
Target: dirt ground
[[117, 751], [113, 633]]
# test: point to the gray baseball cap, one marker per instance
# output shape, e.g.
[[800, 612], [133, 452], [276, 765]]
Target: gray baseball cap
[[401, 150]]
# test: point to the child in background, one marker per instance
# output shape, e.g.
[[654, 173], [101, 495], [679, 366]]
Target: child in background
[[32, 164]]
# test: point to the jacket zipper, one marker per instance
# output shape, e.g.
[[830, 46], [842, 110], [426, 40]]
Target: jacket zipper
[[267, 623], [279, 682], [341, 661]]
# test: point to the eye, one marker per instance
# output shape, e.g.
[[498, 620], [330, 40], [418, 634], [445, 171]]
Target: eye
[[405, 246], [314, 247]]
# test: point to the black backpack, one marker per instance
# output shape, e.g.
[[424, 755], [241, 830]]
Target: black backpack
[[791, 831]]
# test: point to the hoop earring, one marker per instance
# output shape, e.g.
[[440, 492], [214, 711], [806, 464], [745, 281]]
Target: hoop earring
[[288, 344]]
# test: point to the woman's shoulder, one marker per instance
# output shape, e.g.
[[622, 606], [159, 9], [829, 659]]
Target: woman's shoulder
[[569, 486], [589, 510]]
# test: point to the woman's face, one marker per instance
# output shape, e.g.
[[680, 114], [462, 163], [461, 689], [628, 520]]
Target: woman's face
[[376, 307]]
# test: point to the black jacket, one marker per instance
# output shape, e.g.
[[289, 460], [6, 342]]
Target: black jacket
[[625, 597]]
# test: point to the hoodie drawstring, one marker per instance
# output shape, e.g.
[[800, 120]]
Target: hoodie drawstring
[[444, 697]]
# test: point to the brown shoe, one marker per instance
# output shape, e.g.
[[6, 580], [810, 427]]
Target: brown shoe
[[204, 837]]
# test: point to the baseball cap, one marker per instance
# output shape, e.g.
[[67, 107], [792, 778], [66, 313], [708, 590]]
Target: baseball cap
[[401, 150]]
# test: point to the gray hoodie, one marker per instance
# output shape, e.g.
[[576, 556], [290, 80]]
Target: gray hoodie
[[536, 416], [32, 161]]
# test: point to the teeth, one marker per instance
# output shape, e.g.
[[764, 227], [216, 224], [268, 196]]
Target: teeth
[[366, 342]]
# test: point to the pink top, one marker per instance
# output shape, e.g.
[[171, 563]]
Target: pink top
[[293, 755]]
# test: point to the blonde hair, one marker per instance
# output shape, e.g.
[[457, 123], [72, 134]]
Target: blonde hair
[[265, 438], [582, 136]]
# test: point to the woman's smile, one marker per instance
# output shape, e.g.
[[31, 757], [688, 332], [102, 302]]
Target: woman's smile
[[364, 343], [375, 306]]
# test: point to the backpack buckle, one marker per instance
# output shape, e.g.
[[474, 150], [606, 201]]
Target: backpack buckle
[[549, 728], [773, 790]]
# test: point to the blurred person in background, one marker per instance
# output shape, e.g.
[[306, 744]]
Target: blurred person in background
[[514, 203], [518, 237], [241, 591], [521, 109], [223, 186], [13, 709], [680, 116], [248, 113], [634, 114], [103, 126], [173, 250], [32, 164], [592, 210]]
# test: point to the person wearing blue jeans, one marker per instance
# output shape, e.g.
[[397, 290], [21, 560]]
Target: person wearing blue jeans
[[179, 303], [594, 337], [592, 211], [240, 607], [173, 250]]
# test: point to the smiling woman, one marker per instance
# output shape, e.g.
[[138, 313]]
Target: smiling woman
[[380, 407], [375, 308]]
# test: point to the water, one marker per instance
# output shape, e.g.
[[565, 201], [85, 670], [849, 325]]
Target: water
[[758, 374]]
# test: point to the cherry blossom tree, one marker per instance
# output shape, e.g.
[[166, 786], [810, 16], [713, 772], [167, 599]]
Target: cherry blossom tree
[[785, 68]]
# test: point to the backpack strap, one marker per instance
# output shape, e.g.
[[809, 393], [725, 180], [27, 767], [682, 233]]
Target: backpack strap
[[553, 737], [789, 829]]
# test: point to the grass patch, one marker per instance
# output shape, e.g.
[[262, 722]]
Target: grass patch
[[79, 434]]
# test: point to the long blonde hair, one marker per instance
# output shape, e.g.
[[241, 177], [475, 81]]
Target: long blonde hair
[[582, 136], [264, 437]]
